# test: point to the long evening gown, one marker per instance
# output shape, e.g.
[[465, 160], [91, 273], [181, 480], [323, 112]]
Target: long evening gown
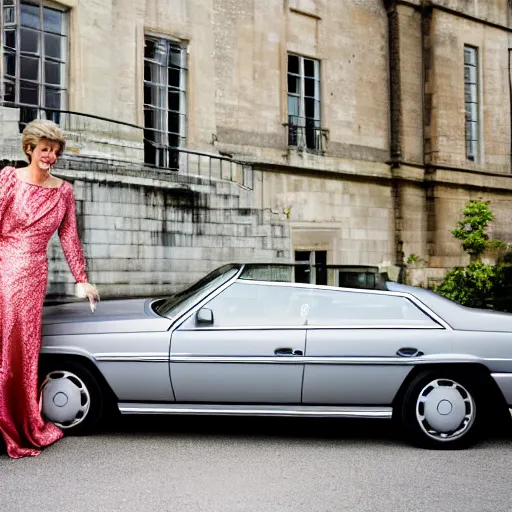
[[29, 216]]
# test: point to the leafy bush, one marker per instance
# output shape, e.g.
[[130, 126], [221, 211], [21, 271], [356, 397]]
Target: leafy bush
[[479, 285], [471, 286]]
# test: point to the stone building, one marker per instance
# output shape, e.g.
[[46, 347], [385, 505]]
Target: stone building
[[207, 131]]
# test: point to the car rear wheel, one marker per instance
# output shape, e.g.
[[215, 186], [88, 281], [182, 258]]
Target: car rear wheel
[[71, 397], [443, 411]]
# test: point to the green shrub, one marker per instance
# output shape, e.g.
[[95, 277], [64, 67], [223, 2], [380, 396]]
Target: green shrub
[[471, 286]]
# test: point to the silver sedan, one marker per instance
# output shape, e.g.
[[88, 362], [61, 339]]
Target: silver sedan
[[248, 340]]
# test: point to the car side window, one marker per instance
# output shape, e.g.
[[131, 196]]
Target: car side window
[[246, 305], [340, 308]]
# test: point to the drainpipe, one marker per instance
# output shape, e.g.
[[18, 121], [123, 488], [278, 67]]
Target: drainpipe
[[394, 81], [395, 127], [510, 99]]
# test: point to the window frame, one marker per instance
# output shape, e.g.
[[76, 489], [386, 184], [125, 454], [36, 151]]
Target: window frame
[[472, 115], [298, 127], [42, 84], [187, 323], [164, 156]]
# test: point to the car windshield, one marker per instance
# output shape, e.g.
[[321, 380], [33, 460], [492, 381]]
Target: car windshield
[[181, 302]]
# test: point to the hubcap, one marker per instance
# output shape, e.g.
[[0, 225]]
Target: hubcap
[[66, 400], [445, 410]]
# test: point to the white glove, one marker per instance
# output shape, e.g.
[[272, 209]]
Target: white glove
[[84, 290]]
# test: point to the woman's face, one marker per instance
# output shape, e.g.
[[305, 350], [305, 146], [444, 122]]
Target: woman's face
[[45, 154]]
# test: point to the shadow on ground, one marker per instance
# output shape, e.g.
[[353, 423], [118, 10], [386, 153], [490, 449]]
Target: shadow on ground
[[377, 431]]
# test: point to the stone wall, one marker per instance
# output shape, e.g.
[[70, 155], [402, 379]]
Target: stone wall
[[154, 234]]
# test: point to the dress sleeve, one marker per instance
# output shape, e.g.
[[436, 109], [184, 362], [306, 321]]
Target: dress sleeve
[[68, 234], [7, 182]]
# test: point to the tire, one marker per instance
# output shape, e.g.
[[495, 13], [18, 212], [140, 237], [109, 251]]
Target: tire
[[71, 397], [443, 411]]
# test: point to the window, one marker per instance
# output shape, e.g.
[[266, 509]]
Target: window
[[165, 78], [34, 49], [304, 128], [471, 101], [253, 305], [184, 300], [312, 267], [345, 309]]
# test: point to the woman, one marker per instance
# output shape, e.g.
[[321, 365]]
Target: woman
[[33, 205]]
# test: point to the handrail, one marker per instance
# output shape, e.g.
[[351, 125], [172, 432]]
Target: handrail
[[185, 161]]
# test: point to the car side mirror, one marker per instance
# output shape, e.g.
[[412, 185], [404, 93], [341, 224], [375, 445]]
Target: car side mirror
[[204, 317]]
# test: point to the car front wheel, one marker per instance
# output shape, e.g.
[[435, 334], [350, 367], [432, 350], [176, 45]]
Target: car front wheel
[[442, 411], [71, 397]]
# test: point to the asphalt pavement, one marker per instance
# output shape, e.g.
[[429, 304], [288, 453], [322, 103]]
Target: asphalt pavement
[[204, 464]]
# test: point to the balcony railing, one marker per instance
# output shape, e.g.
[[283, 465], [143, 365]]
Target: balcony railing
[[121, 144], [306, 136]]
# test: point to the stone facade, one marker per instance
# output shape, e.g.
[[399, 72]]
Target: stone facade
[[390, 181]]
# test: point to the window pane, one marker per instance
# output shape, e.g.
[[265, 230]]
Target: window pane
[[310, 105], [470, 56], [173, 140], [293, 107], [174, 122], [9, 64], [310, 87], [149, 49], [471, 111], [53, 46], [9, 15], [10, 38], [174, 100], [29, 40], [303, 272], [29, 93], [256, 305], [471, 131], [293, 64], [157, 96], [332, 308], [147, 94], [309, 68], [8, 2], [52, 72], [293, 84], [29, 68], [174, 77], [154, 73], [52, 98], [147, 72], [151, 117], [29, 16], [470, 92], [9, 92], [52, 20], [175, 57]]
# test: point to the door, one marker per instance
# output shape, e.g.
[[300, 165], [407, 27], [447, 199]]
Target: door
[[244, 346], [361, 346]]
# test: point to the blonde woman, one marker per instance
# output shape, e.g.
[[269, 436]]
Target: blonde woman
[[33, 205]]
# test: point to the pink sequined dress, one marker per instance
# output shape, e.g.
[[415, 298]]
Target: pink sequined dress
[[29, 216]]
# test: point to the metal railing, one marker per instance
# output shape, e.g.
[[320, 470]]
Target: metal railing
[[306, 136], [123, 144]]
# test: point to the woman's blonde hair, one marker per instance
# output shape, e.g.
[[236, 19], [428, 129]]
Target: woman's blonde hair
[[38, 130]]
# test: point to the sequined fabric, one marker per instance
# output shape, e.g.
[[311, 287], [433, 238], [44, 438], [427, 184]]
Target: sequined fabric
[[29, 216]]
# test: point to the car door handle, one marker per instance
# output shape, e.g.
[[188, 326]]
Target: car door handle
[[409, 352], [287, 352]]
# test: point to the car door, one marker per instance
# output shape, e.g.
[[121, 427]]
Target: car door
[[360, 346], [246, 345]]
